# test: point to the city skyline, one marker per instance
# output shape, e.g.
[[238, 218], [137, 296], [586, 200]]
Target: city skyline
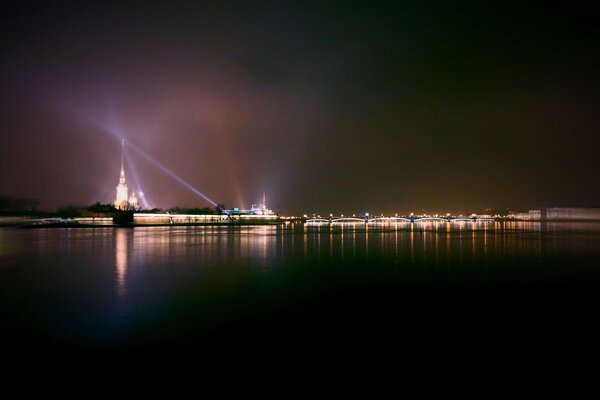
[[326, 107]]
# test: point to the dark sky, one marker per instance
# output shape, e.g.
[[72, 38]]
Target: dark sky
[[327, 107]]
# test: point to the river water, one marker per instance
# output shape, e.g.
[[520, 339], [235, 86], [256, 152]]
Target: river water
[[126, 289]]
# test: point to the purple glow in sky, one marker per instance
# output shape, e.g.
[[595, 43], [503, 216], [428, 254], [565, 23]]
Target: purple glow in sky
[[325, 106]]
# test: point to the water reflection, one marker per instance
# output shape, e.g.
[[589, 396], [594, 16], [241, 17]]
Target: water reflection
[[144, 266], [167, 255], [8, 247], [121, 260], [109, 280], [462, 244]]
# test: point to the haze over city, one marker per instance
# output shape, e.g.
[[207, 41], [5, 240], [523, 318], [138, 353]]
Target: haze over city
[[326, 107], [364, 188]]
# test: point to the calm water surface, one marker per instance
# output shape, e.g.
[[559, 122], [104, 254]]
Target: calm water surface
[[106, 288]]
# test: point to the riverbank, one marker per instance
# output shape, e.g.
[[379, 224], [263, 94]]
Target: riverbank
[[146, 219], [140, 219]]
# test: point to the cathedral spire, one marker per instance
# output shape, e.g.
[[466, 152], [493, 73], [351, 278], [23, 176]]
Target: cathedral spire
[[122, 152], [122, 199]]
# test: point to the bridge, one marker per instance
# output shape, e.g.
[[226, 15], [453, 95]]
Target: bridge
[[397, 219]]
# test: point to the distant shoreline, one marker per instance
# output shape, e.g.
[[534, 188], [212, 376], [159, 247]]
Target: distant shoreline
[[33, 223]]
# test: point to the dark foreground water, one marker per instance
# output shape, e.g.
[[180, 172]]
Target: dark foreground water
[[217, 290]]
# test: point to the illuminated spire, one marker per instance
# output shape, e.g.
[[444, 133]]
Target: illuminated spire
[[122, 178], [263, 207], [122, 200], [122, 152]]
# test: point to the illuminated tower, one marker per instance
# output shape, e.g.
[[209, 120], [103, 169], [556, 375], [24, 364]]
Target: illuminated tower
[[122, 200], [133, 201], [263, 206]]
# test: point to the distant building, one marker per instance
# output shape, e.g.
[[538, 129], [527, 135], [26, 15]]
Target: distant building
[[133, 201], [261, 209], [572, 213], [519, 215], [535, 214], [122, 200], [558, 214]]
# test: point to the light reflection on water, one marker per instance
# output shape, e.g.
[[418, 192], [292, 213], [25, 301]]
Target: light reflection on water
[[120, 274], [266, 247], [121, 260]]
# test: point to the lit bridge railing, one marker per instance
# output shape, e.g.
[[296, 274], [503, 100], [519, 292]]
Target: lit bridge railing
[[411, 219]]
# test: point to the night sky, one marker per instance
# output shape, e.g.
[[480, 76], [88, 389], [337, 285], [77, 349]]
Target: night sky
[[326, 107]]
